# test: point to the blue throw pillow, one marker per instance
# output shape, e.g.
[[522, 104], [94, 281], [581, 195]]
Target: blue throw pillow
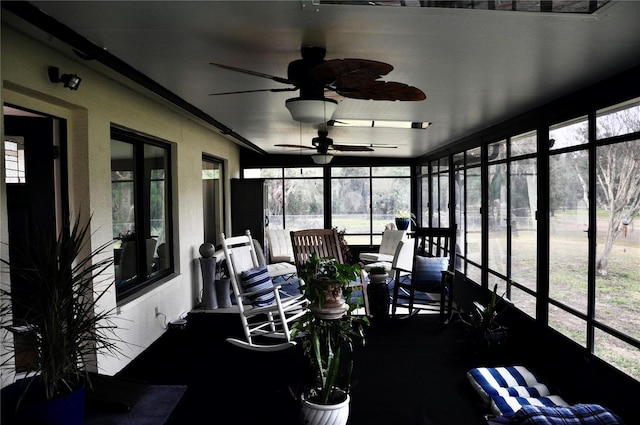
[[429, 271], [258, 279]]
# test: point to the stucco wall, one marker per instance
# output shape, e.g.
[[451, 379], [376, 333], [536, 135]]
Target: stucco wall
[[100, 102]]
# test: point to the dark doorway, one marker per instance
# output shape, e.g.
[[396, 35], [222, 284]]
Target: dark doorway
[[33, 180]]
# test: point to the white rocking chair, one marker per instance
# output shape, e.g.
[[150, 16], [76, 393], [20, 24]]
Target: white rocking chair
[[265, 311]]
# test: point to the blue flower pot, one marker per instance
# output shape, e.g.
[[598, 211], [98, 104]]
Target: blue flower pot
[[65, 410], [402, 223]]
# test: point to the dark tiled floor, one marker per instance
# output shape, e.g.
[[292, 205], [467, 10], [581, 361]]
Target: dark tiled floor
[[411, 372]]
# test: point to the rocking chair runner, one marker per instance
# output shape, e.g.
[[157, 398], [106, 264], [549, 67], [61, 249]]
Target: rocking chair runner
[[264, 310]]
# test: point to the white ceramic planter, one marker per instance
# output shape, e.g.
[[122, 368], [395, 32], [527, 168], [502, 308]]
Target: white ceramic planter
[[325, 414], [378, 278], [331, 312]]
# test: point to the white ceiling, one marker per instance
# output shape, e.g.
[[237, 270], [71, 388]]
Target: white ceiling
[[477, 67]]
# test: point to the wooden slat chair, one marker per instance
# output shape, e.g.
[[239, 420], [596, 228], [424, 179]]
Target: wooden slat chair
[[430, 286], [326, 243], [264, 310]]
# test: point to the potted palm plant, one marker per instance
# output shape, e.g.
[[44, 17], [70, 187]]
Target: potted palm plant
[[56, 321], [328, 339], [484, 320], [404, 218]]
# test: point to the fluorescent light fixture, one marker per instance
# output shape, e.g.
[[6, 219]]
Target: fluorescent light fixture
[[379, 123], [322, 159], [313, 111]]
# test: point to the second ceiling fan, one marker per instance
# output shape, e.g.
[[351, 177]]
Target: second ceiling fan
[[314, 76], [323, 144]]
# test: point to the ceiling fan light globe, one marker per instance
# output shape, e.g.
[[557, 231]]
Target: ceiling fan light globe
[[322, 159], [312, 111]]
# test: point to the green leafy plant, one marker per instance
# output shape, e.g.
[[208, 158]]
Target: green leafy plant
[[320, 274], [483, 319], [61, 327], [378, 270], [347, 256], [328, 344], [486, 316]]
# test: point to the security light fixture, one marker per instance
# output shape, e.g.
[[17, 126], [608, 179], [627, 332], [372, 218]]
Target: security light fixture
[[70, 81]]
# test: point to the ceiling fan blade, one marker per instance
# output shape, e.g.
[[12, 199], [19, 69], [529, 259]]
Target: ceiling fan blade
[[358, 79], [255, 73], [382, 90], [373, 146], [255, 91], [379, 146], [351, 148], [295, 146], [362, 70]]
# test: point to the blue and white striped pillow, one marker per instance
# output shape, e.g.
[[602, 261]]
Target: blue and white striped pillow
[[258, 279], [507, 381]]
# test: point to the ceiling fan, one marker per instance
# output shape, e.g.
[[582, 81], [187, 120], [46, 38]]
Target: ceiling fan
[[313, 76], [324, 144]]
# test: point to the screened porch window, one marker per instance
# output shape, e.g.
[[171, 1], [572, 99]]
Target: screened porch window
[[140, 190]]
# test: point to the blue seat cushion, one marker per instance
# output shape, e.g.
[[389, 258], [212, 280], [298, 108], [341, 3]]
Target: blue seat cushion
[[258, 279]]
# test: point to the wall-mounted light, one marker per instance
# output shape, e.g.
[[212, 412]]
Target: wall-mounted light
[[70, 81]]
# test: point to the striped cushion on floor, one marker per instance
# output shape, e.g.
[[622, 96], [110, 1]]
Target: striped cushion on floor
[[507, 406], [506, 381]]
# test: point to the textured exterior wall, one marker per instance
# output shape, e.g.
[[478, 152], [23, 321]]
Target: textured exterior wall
[[101, 101]]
